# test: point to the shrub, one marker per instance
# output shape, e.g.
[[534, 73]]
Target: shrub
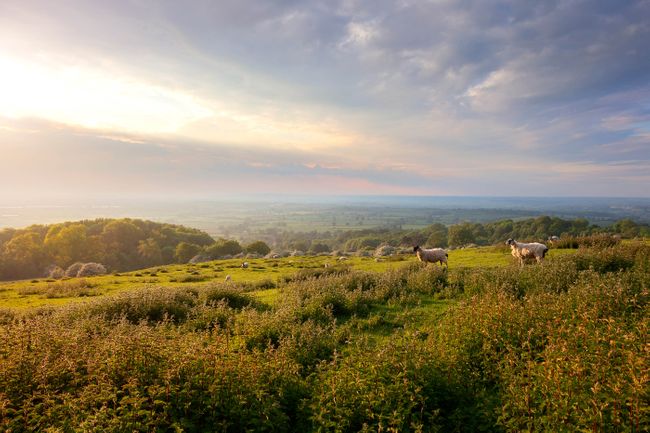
[[231, 296], [258, 247], [73, 269], [393, 388], [55, 272], [151, 305], [90, 269]]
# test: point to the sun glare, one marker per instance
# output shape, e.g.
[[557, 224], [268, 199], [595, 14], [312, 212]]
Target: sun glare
[[92, 98]]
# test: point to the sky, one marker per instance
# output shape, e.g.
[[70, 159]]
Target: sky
[[150, 98]]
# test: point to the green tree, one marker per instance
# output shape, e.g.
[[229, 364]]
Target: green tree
[[461, 234], [150, 252], [67, 244], [122, 235], [24, 256], [319, 247], [223, 247], [438, 236], [258, 247], [185, 251], [627, 228]]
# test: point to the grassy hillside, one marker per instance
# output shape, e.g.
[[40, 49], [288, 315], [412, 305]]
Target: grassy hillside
[[290, 345], [263, 272]]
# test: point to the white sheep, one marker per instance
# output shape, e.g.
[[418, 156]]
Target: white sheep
[[433, 255], [244, 265], [228, 278], [523, 251]]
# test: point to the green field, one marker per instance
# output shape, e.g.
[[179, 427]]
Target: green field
[[39, 292]]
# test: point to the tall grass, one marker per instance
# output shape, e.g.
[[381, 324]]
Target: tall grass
[[557, 347]]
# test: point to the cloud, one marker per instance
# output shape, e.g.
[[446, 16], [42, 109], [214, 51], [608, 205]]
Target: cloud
[[457, 97]]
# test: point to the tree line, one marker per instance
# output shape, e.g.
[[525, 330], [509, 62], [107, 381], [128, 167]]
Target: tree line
[[128, 244]]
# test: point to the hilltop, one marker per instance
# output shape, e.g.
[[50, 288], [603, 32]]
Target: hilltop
[[289, 344]]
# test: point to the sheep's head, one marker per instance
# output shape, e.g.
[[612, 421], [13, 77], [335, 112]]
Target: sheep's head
[[510, 242], [416, 248]]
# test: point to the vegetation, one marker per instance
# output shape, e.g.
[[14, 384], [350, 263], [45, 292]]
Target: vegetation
[[558, 347], [118, 244], [128, 244]]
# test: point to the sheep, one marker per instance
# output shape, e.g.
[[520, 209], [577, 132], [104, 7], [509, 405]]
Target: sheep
[[523, 251], [228, 278], [244, 265], [433, 255]]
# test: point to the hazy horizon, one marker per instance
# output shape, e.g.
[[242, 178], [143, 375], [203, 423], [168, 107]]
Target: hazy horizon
[[221, 217], [348, 97]]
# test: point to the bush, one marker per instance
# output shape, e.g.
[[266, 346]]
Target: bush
[[231, 296], [90, 269], [258, 247], [150, 305], [55, 272], [395, 388], [73, 269], [594, 241]]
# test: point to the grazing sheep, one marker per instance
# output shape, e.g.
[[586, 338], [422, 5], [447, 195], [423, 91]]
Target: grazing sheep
[[342, 258], [228, 278], [523, 251], [244, 265], [432, 255]]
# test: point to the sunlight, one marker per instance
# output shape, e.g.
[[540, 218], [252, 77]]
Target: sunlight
[[92, 98]]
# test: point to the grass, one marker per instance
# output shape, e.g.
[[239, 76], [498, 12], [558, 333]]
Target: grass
[[382, 346], [34, 293]]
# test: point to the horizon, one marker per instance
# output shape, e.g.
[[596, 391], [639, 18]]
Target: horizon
[[483, 99], [220, 216]]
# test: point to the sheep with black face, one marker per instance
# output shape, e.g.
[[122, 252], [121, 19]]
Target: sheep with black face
[[432, 255]]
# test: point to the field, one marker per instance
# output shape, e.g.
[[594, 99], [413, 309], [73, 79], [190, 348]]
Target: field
[[361, 345], [39, 292]]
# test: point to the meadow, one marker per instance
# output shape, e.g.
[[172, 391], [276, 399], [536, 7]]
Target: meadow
[[362, 345], [263, 272]]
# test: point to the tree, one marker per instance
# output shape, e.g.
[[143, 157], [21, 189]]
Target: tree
[[437, 236], [258, 247], [461, 234], [150, 252], [223, 247], [122, 235], [627, 228], [319, 247], [185, 251], [24, 256], [67, 244]]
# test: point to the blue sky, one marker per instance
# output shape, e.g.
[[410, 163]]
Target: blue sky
[[437, 97]]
